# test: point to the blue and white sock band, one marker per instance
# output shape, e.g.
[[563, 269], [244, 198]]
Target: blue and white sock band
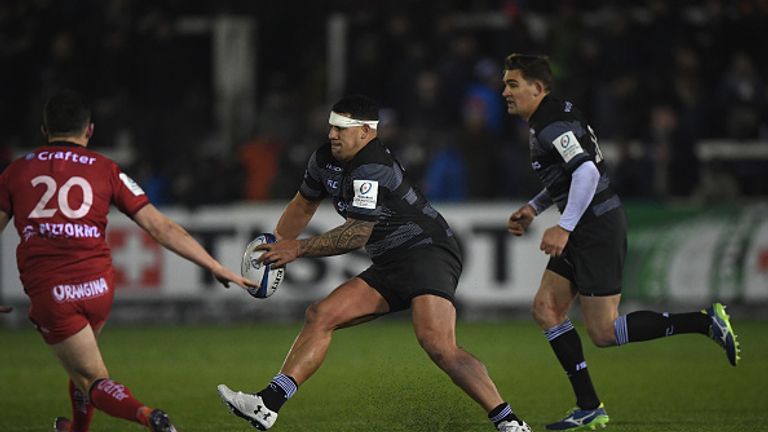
[[286, 384], [620, 328], [503, 414], [558, 330]]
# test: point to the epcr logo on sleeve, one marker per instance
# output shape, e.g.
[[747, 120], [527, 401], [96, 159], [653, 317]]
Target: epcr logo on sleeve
[[567, 145], [131, 185], [366, 192]]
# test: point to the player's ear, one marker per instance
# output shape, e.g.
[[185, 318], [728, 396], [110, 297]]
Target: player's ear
[[364, 131], [89, 130], [539, 87]]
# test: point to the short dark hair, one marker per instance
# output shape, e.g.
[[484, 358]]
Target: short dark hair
[[358, 106], [532, 67], [66, 113]]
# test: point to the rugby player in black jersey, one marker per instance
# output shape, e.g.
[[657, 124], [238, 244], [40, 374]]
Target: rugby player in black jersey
[[416, 265], [588, 245]]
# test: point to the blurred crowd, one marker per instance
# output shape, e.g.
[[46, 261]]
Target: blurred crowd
[[654, 77]]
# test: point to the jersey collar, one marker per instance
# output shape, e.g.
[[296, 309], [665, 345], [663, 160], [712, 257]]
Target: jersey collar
[[536, 116], [63, 144], [366, 148]]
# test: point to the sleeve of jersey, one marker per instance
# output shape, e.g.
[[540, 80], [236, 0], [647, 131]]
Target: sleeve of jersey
[[371, 183], [583, 186], [312, 186], [541, 201], [562, 137], [127, 195]]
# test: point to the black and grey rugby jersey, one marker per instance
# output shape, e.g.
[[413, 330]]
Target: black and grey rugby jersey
[[373, 187], [560, 141]]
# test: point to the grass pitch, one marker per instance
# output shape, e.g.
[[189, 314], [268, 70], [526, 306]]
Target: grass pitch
[[376, 378]]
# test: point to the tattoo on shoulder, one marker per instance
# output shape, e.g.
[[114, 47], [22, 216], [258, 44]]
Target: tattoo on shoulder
[[351, 235]]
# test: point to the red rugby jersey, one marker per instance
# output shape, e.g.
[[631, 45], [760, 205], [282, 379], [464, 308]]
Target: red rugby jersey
[[59, 197]]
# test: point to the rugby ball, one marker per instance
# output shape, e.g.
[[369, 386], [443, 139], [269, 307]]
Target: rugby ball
[[267, 278]]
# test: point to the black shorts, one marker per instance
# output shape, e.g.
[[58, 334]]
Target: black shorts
[[429, 269], [593, 259]]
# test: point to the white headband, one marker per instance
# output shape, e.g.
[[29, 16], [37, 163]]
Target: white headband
[[345, 122]]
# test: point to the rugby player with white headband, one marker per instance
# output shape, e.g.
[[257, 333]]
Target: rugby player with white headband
[[348, 134], [416, 264], [341, 121]]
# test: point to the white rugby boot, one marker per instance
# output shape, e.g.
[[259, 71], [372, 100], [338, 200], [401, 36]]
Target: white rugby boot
[[514, 426], [248, 406]]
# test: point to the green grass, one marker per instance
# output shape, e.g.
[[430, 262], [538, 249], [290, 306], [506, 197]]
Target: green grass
[[377, 378]]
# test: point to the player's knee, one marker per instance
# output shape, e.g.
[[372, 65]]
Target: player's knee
[[546, 314], [315, 315], [311, 314], [441, 352], [602, 336], [320, 315]]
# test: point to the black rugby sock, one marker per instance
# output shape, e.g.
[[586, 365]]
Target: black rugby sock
[[501, 413], [567, 346], [647, 325], [280, 389]]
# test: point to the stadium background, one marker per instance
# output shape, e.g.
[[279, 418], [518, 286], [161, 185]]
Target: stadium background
[[213, 107]]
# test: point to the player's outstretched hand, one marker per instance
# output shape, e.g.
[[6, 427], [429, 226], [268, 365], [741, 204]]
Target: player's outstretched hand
[[5, 309], [280, 253], [225, 276], [520, 220]]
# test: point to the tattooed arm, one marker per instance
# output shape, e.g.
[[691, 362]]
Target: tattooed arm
[[351, 235]]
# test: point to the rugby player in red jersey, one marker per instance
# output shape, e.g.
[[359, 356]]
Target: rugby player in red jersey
[[59, 196]]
